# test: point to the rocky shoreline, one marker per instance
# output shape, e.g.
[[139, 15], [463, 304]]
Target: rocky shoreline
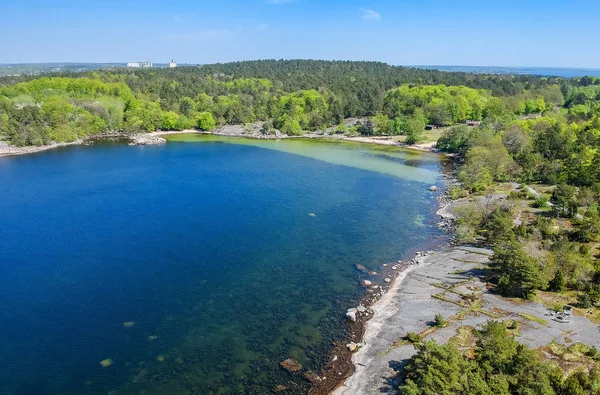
[[134, 139], [239, 131], [341, 362]]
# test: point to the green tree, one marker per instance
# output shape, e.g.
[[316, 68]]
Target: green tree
[[382, 124], [169, 120], [517, 274], [457, 139], [205, 121], [415, 128]]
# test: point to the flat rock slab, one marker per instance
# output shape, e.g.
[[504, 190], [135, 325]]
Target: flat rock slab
[[410, 307]]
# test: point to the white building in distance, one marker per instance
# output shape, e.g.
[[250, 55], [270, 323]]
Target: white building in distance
[[139, 64], [172, 64]]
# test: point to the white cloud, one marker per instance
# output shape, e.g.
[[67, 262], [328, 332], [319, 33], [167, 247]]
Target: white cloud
[[279, 1], [370, 15]]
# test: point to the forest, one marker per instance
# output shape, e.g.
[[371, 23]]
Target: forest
[[293, 96]]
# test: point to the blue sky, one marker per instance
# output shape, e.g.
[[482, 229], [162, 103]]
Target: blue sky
[[549, 33]]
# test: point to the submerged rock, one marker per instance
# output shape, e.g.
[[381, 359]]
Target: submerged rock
[[280, 388], [361, 268], [106, 363], [312, 377], [290, 365], [366, 283]]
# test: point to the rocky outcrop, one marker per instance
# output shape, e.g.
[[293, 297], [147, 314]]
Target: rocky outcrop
[[141, 139]]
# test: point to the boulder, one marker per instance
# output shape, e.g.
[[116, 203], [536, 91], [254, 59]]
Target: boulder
[[290, 365], [361, 309], [351, 315], [366, 283], [352, 347], [433, 188], [388, 280]]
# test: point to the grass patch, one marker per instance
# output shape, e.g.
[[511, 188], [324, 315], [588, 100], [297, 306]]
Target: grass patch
[[534, 318]]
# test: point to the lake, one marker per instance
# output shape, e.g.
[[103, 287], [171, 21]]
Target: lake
[[196, 266]]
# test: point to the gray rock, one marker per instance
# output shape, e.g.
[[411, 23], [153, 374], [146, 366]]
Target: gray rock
[[351, 314]]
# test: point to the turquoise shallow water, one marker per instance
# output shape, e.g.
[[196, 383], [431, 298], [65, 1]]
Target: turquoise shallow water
[[193, 268]]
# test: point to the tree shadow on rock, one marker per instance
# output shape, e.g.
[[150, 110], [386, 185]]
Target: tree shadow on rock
[[392, 383]]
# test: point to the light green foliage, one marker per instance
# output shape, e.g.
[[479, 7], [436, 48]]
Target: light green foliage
[[57, 111], [415, 127], [442, 104], [305, 110], [169, 120], [486, 162], [205, 121], [382, 124], [142, 116]]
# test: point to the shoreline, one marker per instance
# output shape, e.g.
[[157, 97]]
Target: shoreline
[[153, 138], [341, 363], [379, 307]]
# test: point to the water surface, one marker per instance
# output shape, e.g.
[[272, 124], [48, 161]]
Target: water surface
[[193, 268]]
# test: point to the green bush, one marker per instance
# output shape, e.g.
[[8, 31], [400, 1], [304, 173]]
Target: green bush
[[541, 202], [439, 321], [413, 337]]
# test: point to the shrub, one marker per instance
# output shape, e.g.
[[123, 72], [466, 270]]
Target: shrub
[[584, 301], [541, 202], [413, 337], [439, 321]]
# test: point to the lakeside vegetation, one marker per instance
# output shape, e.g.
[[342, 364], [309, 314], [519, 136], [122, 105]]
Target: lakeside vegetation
[[532, 191], [499, 366], [293, 96]]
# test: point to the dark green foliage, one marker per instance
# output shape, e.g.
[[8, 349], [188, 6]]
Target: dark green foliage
[[457, 139], [366, 129], [565, 197], [501, 366], [516, 273], [558, 283]]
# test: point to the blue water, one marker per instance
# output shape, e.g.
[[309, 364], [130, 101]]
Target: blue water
[[544, 71], [189, 268]]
